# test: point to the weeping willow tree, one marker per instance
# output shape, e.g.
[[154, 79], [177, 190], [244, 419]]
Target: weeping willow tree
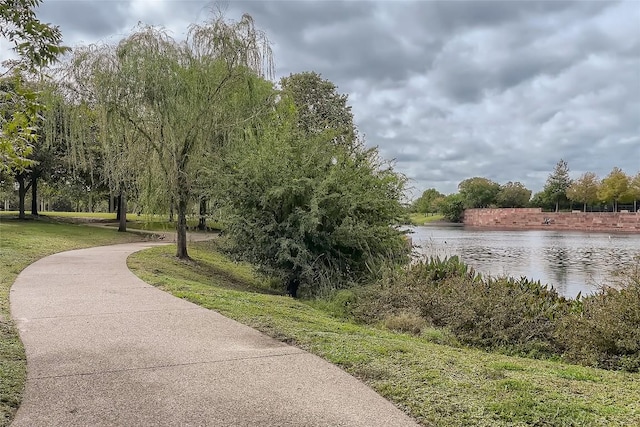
[[167, 102]]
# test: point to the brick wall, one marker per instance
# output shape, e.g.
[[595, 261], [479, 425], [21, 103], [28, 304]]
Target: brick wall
[[534, 218]]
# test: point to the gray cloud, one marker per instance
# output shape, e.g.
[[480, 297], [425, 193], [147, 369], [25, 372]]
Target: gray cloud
[[450, 89]]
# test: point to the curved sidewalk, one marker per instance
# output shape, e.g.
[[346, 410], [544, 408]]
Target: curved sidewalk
[[106, 349]]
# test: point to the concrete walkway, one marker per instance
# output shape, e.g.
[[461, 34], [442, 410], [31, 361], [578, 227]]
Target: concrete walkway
[[106, 349]]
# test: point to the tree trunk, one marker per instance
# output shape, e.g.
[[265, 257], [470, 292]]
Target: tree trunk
[[171, 212], [22, 191], [292, 287], [116, 199], [202, 223], [182, 229], [584, 208], [122, 212], [557, 205], [34, 194]]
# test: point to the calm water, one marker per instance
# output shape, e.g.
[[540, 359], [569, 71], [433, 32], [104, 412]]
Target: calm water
[[570, 261]]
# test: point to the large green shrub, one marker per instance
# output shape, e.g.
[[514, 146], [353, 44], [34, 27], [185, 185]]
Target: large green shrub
[[313, 209]]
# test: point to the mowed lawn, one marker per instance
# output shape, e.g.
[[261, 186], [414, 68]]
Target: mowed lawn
[[422, 219], [439, 385], [22, 243]]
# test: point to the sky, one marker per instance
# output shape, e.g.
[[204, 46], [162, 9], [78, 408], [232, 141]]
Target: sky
[[448, 90]]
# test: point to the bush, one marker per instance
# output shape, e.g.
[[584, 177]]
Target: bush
[[61, 204], [603, 330], [405, 322], [516, 315], [511, 315]]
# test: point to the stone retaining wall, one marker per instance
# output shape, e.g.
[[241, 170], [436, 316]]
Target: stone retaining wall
[[534, 218]]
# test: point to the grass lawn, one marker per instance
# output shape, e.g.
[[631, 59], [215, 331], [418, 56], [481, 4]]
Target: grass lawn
[[22, 243], [422, 219], [96, 215], [437, 384], [137, 222]]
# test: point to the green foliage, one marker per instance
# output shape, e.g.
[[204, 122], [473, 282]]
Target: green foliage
[[615, 187], [305, 207], [19, 109], [513, 195], [557, 184], [405, 322], [37, 45], [604, 329], [541, 200], [166, 107], [510, 315], [584, 189], [478, 192], [428, 202], [320, 107], [452, 207]]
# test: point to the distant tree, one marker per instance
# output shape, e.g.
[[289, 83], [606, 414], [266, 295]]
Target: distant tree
[[634, 191], [541, 200], [584, 190], [426, 202], [513, 195], [478, 192], [452, 207], [557, 183], [614, 188]]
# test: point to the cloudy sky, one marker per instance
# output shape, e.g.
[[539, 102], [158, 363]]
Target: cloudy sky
[[451, 89]]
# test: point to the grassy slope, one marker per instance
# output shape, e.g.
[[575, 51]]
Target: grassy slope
[[421, 219], [21, 243], [438, 385]]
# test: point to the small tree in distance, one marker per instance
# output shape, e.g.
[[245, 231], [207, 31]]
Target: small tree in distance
[[614, 188], [584, 190], [426, 203], [557, 183], [634, 191], [478, 192], [513, 195], [452, 207]]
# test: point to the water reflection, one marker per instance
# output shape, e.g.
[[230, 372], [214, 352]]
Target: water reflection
[[571, 262]]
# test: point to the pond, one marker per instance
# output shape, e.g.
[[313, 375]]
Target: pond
[[571, 262]]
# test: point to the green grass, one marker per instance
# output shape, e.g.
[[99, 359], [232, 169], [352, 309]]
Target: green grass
[[136, 222], [22, 243], [422, 219], [155, 225], [437, 384], [97, 215]]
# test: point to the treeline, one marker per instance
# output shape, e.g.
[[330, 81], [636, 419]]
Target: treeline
[[559, 192]]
